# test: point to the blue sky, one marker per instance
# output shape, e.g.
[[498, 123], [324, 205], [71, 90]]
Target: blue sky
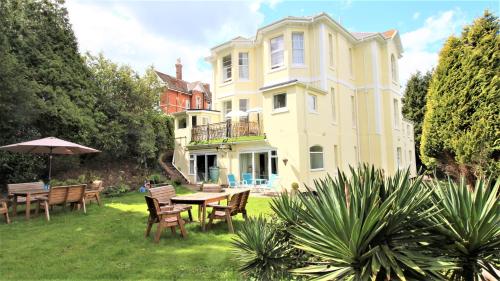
[[143, 33]]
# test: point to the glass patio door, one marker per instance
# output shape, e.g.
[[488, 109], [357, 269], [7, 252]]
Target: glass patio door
[[259, 165]]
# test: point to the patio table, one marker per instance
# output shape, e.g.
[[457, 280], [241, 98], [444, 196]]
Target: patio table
[[27, 193], [202, 199]]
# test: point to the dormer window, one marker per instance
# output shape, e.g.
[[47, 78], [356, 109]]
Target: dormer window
[[277, 52], [226, 68]]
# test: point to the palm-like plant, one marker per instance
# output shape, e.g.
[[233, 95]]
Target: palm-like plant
[[365, 227], [469, 222], [264, 250]]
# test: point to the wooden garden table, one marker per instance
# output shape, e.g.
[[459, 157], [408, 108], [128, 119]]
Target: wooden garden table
[[27, 193], [202, 199]]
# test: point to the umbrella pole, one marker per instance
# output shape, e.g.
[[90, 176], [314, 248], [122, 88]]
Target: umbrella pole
[[50, 164]]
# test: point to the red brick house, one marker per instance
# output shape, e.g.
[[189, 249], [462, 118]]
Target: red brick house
[[180, 95]]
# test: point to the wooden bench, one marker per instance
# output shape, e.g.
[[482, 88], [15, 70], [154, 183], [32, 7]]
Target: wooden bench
[[62, 195], [164, 195], [12, 187], [4, 209], [236, 205], [92, 193]]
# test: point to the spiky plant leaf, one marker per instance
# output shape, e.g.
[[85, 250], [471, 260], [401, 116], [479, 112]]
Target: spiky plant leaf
[[470, 226]]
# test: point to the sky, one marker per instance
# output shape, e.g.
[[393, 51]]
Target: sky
[[157, 32]]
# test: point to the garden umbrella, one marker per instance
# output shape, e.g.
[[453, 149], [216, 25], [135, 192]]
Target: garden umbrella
[[236, 113], [49, 146]]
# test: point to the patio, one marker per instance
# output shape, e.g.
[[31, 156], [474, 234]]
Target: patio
[[108, 243]]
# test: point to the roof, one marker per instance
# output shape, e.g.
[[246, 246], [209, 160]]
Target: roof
[[354, 37], [278, 84], [182, 86]]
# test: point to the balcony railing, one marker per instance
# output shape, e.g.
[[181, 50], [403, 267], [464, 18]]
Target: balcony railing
[[225, 130]]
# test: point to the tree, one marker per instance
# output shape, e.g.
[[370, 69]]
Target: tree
[[414, 101], [461, 130], [125, 112]]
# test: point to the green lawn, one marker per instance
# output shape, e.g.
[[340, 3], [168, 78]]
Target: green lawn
[[108, 243]]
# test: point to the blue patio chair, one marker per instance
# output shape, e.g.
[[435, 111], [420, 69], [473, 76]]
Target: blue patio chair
[[231, 180], [246, 179], [272, 183]]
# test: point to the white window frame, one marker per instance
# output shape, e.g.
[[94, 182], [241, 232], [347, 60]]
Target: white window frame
[[280, 50], [298, 49], [395, 105], [226, 110], [188, 104], [317, 153], [282, 108], [198, 103], [334, 105], [314, 99], [178, 122], [246, 104], [330, 50], [394, 69], [192, 164], [243, 66], [227, 72]]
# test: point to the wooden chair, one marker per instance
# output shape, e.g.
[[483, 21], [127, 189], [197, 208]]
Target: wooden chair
[[4, 209], [92, 193], [164, 195], [165, 217], [61, 195], [210, 187], [236, 205]]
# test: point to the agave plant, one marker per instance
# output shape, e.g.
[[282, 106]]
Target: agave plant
[[470, 224], [365, 227], [263, 248]]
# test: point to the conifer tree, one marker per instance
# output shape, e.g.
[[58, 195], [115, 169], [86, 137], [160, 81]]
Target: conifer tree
[[461, 130]]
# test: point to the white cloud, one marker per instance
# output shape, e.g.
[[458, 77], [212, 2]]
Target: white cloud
[[132, 33], [416, 15], [423, 44]]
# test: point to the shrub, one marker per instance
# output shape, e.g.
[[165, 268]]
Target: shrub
[[176, 181], [117, 190]]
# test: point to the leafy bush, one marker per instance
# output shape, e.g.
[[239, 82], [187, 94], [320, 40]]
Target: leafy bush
[[117, 190], [157, 178], [176, 181]]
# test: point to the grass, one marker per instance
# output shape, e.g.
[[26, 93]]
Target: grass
[[108, 243], [229, 140]]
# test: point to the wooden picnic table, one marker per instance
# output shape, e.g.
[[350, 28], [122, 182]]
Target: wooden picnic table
[[27, 193], [202, 199]]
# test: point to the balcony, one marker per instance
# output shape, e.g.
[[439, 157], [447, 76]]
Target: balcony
[[221, 132]]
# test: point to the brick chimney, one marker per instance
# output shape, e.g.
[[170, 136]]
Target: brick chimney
[[178, 69]]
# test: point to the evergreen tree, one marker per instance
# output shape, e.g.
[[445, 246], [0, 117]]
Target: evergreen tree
[[461, 130], [414, 102]]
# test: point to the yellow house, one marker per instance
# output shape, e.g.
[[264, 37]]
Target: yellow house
[[298, 101]]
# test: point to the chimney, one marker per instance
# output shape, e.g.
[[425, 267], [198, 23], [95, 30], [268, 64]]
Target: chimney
[[178, 69]]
